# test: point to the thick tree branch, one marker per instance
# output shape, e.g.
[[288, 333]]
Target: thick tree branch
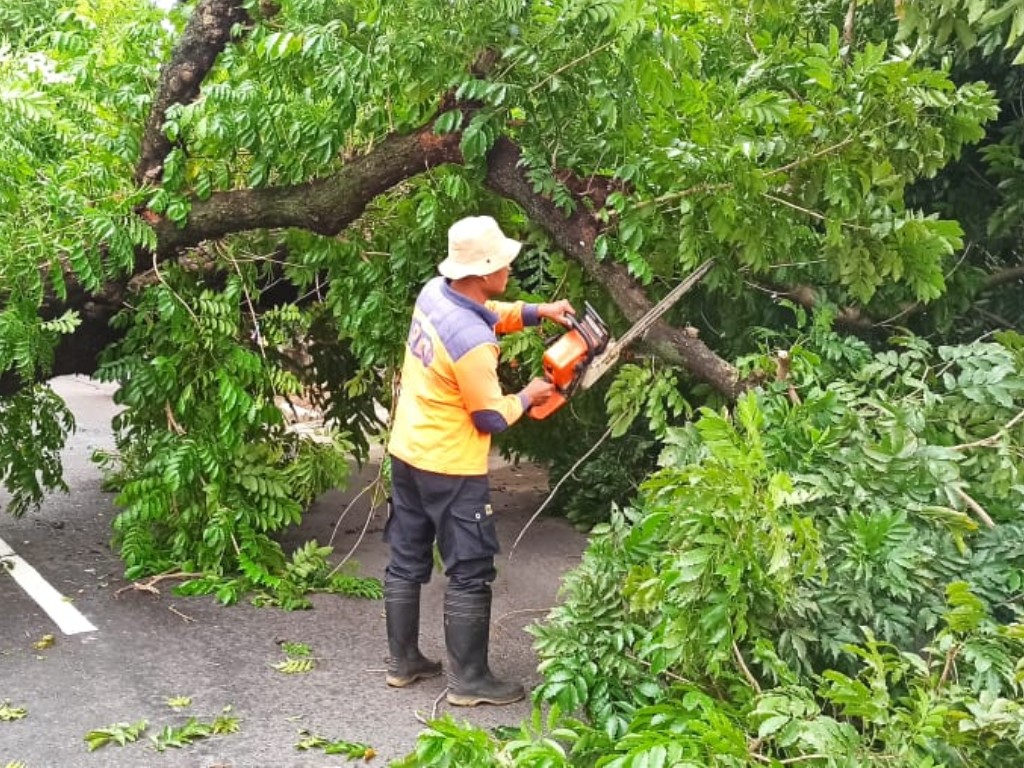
[[325, 206], [1004, 276], [576, 235], [205, 35], [328, 205]]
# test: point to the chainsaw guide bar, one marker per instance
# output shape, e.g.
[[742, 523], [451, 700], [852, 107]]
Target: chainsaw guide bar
[[604, 361], [586, 351]]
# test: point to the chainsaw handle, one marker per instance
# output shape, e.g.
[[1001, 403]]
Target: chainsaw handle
[[574, 325]]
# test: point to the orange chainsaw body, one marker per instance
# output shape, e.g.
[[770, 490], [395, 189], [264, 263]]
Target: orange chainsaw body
[[566, 360]]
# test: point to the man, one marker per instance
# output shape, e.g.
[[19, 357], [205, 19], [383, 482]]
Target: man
[[449, 406]]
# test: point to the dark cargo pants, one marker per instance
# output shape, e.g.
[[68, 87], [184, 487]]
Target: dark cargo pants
[[453, 509]]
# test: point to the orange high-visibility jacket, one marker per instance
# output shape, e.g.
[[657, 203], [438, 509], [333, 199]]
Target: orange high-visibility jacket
[[451, 401]]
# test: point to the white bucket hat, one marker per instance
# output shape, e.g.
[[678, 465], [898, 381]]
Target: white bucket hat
[[477, 247]]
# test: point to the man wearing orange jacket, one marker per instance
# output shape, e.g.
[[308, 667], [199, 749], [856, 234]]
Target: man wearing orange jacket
[[449, 406]]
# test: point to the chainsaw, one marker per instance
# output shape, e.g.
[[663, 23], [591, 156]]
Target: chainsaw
[[584, 353]]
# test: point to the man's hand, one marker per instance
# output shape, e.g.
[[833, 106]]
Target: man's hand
[[557, 311], [538, 391]]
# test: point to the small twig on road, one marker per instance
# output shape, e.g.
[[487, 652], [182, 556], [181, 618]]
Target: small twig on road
[[497, 622], [186, 618], [433, 710], [149, 585]]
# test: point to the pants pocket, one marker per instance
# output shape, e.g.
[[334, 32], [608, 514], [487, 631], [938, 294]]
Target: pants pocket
[[471, 532]]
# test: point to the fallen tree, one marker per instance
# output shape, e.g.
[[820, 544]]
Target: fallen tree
[[238, 179]]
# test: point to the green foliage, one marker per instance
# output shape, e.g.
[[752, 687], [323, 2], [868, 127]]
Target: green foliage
[[8, 712], [811, 531], [294, 666], [169, 736], [296, 649], [639, 390], [806, 578], [31, 465], [757, 137], [178, 703], [210, 470], [446, 744], [987, 25], [118, 733], [350, 749], [193, 730], [308, 571]]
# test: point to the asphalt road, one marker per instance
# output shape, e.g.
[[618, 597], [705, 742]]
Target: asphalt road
[[148, 648]]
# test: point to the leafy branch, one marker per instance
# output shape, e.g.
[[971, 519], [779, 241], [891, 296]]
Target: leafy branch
[[350, 749], [9, 712], [118, 733]]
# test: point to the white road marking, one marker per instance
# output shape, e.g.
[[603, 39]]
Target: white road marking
[[64, 614]]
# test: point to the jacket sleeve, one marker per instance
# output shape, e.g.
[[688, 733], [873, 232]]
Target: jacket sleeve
[[477, 376], [513, 315]]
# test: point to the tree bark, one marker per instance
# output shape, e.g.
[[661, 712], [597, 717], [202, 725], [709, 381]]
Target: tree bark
[[576, 235], [325, 206], [1003, 276], [205, 35]]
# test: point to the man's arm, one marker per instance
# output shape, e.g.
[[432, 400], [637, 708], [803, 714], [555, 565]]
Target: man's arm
[[477, 375], [513, 315], [490, 410], [516, 315]]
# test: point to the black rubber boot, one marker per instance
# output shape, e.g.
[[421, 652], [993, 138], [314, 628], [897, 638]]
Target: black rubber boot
[[406, 664], [467, 624]]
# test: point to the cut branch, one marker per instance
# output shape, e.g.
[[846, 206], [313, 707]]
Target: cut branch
[[325, 206]]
